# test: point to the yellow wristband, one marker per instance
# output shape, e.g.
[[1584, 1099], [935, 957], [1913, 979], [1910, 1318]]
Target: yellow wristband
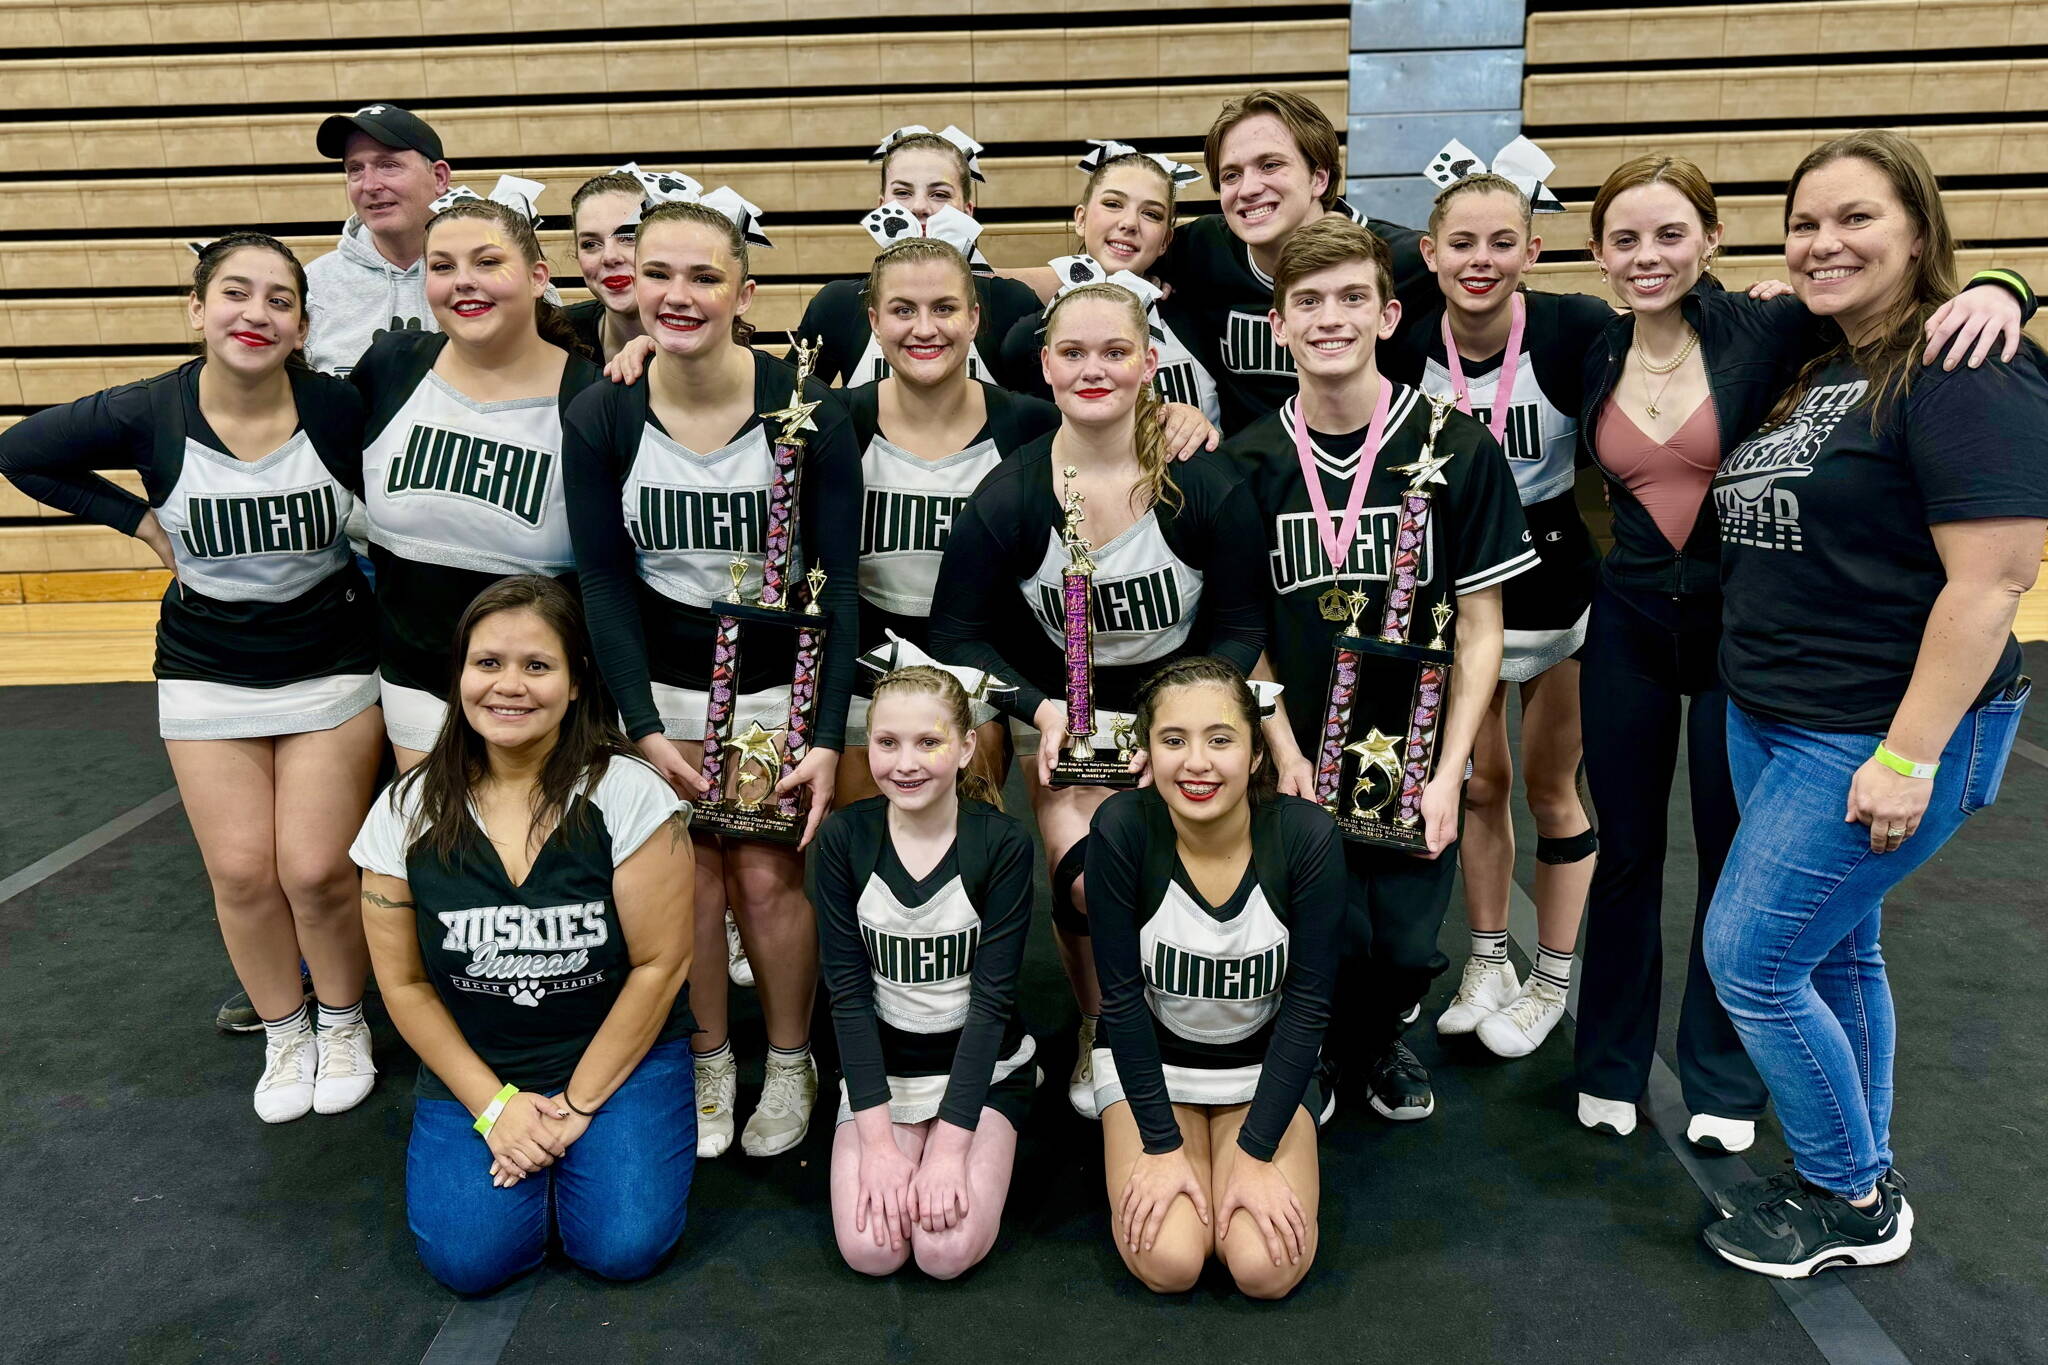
[[489, 1117], [1905, 767]]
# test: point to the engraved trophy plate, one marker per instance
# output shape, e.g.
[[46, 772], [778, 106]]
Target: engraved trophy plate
[[1080, 763], [743, 770]]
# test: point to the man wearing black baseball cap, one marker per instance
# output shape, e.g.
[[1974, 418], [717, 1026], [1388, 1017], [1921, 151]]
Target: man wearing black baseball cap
[[374, 280]]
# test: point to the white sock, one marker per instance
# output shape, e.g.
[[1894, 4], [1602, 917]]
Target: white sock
[[1555, 968], [1491, 947], [721, 1053], [276, 1030], [331, 1017], [789, 1056]]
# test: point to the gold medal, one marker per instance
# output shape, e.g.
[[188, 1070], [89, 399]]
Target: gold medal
[[1335, 605]]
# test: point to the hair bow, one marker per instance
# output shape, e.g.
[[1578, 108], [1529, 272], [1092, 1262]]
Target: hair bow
[[892, 223], [1267, 694], [510, 191], [673, 187], [1521, 162], [745, 216], [901, 653], [661, 187], [1108, 149], [1076, 271], [969, 148]]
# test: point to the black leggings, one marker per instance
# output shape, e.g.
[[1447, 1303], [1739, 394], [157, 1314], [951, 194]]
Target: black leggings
[[1394, 909], [1645, 653]]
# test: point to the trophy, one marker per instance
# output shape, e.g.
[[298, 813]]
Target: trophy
[[1079, 764], [1386, 698], [743, 771]]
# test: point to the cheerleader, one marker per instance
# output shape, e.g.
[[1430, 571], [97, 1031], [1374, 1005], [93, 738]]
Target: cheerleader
[[924, 904], [463, 447], [266, 645], [1175, 555], [669, 481], [928, 435], [602, 214], [1216, 913], [923, 174]]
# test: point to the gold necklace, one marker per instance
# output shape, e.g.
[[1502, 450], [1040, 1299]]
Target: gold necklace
[[1650, 407]]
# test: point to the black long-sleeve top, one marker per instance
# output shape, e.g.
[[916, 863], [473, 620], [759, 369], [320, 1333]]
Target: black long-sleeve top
[[1182, 580], [923, 971], [1147, 922], [655, 527]]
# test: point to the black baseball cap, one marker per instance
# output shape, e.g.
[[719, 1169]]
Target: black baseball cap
[[389, 124]]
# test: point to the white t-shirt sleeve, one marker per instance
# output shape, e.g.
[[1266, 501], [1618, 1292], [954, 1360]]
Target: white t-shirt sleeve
[[636, 800], [380, 846]]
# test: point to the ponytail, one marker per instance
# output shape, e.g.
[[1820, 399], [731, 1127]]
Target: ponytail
[[1155, 466], [551, 320]]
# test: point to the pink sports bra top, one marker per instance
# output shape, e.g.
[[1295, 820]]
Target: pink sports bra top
[[1670, 480]]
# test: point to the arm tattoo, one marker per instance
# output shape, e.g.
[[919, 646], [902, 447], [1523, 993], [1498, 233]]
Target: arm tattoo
[[678, 830], [386, 902]]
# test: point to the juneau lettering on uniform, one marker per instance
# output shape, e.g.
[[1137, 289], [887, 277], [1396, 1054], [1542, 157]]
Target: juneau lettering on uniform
[[297, 521], [1523, 437], [1299, 560], [510, 478], [1753, 492], [1249, 346], [505, 942], [898, 521], [699, 519], [920, 959], [1144, 602], [1176, 971], [1176, 384]]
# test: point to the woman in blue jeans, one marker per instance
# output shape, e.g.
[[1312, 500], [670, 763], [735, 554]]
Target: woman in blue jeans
[[526, 893], [1876, 537]]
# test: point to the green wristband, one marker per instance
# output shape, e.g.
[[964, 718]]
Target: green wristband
[[1904, 767], [486, 1120]]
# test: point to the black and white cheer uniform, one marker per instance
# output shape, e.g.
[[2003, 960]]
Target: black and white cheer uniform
[[1543, 611], [1181, 377], [908, 505], [268, 628], [849, 354], [1213, 1004], [923, 971], [1181, 580], [656, 527], [460, 493], [528, 971]]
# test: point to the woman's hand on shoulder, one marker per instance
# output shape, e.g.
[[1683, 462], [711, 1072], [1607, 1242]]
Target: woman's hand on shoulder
[[1186, 430], [1977, 319], [631, 362]]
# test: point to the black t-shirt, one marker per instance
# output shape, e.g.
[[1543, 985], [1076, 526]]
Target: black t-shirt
[[1476, 536], [1225, 298], [1828, 569], [849, 355], [528, 972]]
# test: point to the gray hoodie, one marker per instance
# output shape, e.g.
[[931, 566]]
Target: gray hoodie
[[353, 293]]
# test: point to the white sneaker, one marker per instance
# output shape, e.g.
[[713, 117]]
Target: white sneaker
[[718, 1084], [1715, 1134], [1081, 1085], [1486, 987], [789, 1090], [1612, 1116], [289, 1066], [346, 1072], [1520, 1028], [737, 969]]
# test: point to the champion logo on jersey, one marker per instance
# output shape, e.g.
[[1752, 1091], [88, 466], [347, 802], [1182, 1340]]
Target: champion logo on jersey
[[700, 519], [1176, 971], [897, 521], [1145, 603], [512, 478], [293, 522], [920, 959], [1249, 346], [1300, 561]]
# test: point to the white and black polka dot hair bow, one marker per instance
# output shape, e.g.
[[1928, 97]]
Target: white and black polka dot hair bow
[[1076, 271], [1521, 162], [511, 191], [1108, 149], [969, 148]]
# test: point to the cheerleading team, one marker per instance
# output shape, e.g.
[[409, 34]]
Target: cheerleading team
[[1173, 553], [266, 645], [671, 488], [924, 896]]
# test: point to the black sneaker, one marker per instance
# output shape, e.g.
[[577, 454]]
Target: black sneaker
[[1414, 1013], [1397, 1083], [1802, 1230], [1747, 1194], [237, 1015], [1326, 1081]]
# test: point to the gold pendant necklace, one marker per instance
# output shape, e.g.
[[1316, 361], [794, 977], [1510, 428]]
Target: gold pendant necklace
[[1650, 405]]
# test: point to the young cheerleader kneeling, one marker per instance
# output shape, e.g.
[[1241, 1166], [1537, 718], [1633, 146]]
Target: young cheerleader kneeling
[[924, 900], [1216, 912]]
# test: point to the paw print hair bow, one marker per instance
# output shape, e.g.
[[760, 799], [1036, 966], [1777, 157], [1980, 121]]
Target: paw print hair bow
[[511, 191], [1076, 271], [951, 132], [1108, 149], [892, 223], [1521, 162]]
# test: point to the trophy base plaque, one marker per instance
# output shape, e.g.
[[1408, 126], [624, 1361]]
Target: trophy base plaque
[[1093, 772], [731, 820]]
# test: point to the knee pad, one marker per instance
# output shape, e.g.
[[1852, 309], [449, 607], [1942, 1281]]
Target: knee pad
[[1572, 848], [1065, 914]]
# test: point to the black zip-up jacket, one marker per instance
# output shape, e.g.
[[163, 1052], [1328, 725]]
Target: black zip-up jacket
[[1753, 350]]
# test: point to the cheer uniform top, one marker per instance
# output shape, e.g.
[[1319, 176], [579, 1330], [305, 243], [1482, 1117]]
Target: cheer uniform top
[[1543, 611], [1476, 536], [1181, 377], [528, 971], [1213, 1004], [460, 493], [267, 628], [1828, 567], [1223, 298], [1181, 580], [656, 527], [923, 971], [849, 355]]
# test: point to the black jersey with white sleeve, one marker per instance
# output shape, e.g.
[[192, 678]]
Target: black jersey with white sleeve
[[923, 971], [1213, 1004]]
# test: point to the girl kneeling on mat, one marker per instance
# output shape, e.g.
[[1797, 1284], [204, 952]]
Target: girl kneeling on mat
[[1215, 911], [924, 900], [526, 891]]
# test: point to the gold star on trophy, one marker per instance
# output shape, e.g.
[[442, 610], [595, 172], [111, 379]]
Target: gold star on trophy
[[1427, 470], [756, 746], [1376, 753], [796, 418]]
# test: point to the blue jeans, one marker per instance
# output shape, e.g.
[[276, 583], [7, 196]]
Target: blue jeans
[[619, 1195], [1791, 938]]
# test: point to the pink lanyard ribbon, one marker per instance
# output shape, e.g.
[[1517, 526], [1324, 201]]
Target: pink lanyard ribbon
[[1510, 362], [1337, 539]]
